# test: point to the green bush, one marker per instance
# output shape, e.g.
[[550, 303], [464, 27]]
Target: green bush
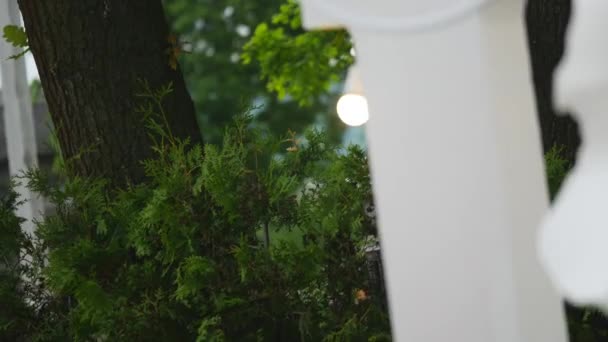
[[557, 168], [260, 240]]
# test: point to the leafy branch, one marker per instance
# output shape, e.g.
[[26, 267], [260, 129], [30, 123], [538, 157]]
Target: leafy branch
[[16, 36]]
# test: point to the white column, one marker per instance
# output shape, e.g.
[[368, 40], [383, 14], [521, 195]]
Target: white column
[[18, 119], [575, 232], [457, 166]]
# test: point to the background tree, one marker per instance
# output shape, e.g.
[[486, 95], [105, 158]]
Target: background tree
[[213, 33], [92, 57]]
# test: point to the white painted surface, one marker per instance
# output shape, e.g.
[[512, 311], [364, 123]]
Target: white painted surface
[[18, 119], [458, 177], [390, 16], [575, 233]]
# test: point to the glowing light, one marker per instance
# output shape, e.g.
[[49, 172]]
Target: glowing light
[[352, 106], [353, 110]]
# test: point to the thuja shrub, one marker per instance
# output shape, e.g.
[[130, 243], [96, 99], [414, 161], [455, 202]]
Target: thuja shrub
[[557, 168], [261, 239]]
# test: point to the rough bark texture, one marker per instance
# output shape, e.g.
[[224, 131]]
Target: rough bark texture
[[90, 56], [547, 21]]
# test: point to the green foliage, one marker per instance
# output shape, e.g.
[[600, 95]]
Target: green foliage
[[16, 36], [296, 63], [36, 91], [557, 168], [213, 33], [257, 240], [26, 304], [184, 256], [586, 324], [11, 238]]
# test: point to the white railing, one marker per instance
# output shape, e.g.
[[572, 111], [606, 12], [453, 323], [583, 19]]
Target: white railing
[[17, 113]]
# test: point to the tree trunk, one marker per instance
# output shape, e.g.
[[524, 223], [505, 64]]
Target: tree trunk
[[90, 56], [547, 21]]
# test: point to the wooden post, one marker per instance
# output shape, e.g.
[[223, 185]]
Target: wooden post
[[18, 117]]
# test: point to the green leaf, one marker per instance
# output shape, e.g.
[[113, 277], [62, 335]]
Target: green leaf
[[15, 35], [92, 298], [209, 330], [192, 276], [102, 227]]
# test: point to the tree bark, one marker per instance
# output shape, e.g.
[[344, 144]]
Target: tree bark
[[90, 55], [547, 21]]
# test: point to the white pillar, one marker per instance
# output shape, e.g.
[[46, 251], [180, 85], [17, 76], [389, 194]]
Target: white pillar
[[457, 166], [575, 232], [18, 120]]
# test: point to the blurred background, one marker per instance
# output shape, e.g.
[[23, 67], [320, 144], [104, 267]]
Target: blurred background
[[212, 35]]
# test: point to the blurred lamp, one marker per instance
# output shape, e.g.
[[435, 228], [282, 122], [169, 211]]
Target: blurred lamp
[[352, 106]]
